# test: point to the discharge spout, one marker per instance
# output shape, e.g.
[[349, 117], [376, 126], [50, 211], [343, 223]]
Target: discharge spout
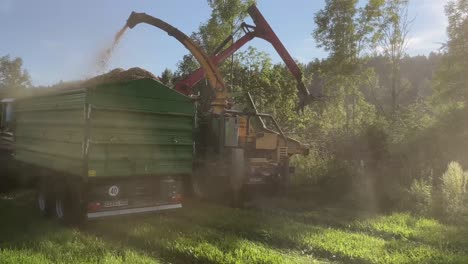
[[220, 101]]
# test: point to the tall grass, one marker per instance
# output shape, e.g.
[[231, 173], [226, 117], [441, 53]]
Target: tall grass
[[207, 233]]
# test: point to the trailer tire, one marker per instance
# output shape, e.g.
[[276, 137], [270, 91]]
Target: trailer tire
[[207, 186], [45, 198], [69, 206]]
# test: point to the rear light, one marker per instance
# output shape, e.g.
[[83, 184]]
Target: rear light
[[177, 198], [94, 206]]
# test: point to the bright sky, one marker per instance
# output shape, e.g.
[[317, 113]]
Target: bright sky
[[60, 40]]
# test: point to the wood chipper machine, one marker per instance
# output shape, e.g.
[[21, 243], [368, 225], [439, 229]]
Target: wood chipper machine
[[235, 151]]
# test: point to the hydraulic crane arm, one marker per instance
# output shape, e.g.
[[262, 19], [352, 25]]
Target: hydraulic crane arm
[[265, 32], [219, 103], [186, 85], [261, 30]]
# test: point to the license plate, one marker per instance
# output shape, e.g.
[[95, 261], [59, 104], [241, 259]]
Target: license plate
[[115, 203]]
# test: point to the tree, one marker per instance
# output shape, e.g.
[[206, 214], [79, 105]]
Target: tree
[[187, 65], [346, 31], [167, 77], [226, 15], [12, 75], [394, 42], [415, 83], [452, 78], [271, 85], [457, 12]]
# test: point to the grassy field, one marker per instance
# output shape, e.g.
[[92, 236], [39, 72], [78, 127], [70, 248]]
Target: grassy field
[[283, 231]]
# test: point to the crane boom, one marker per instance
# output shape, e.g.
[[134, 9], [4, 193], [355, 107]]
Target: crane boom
[[185, 86], [261, 30], [265, 32], [219, 103]]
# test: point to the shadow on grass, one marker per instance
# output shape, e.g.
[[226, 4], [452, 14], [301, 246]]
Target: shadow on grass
[[346, 243], [154, 238], [25, 236], [18, 219], [204, 233], [177, 241], [403, 226], [210, 234]]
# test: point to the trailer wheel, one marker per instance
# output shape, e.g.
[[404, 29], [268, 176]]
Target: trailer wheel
[[45, 199], [208, 185], [69, 207], [59, 207]]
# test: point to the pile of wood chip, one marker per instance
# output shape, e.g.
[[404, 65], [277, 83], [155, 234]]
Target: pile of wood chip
[[114, 76], [120, 75]]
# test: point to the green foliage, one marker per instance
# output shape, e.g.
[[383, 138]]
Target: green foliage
[[313, 168], [226, 16], [187, 65], [451, 81], [453, 190], [346, 30], [12, 75], [412, 120], [393, 42], [457, 13], [272, 87], [167, 77], [421, 145], [420, 116], [419, 197], [347, 109], [395, 28], [362, 99]]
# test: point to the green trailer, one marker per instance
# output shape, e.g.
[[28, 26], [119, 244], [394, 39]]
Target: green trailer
[[106, 149]]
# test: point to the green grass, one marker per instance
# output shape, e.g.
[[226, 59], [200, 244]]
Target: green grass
[[206, 233]]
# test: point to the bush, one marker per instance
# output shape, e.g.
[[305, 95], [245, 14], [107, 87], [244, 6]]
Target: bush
[[419, 197], [453, 190], [310, 169]]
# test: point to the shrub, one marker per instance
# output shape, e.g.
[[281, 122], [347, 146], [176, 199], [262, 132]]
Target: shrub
[[310, 169], [419, 197], [453, 190]]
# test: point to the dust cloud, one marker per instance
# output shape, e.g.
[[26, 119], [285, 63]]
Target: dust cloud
[[106, 54]]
